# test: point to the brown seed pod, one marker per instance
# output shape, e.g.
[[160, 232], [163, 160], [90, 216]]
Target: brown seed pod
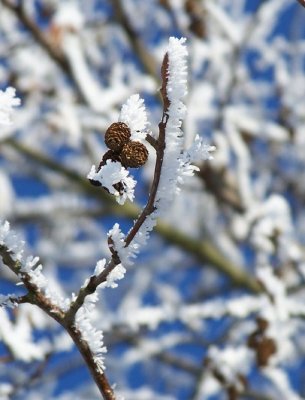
[[116, 136], [134, 155], [109, 155]]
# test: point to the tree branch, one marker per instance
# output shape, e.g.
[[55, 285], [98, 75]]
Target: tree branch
[[95, 281], [99, 377], [35, 296], [150, 206]]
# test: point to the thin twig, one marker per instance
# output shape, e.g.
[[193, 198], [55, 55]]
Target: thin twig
[[150, 206], [99, 377], [95, 281], [152, 141], [34, 295]]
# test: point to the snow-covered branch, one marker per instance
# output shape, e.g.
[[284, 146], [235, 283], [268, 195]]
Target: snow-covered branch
[[189, 270]]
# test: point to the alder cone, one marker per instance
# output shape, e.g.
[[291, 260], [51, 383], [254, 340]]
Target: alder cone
[[109, 155], [134, 155], [116, 136]]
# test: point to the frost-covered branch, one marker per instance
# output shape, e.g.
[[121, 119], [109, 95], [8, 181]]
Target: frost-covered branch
[[30, 273], [168, 163], [87, 339], [95, 281], [213, 306]]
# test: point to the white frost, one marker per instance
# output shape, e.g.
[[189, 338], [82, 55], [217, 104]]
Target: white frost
[[17, 337], [7, 301], [8, 100], [116, 274], [280, 380], [112, 173], [92, 336], [69, 16], [30, 266], [231, 362], [134, 115], [175, 162], [9, 239]]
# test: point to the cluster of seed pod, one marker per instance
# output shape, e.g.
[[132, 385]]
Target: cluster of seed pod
[[130, 153]]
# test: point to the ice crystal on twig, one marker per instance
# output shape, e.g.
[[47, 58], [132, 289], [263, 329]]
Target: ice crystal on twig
[[29, 268], [7, 301], [199, 151], [133, 114], [92, 336], [113, 173], [117, 244], [115, 275], [11, 241], [176, 89]]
